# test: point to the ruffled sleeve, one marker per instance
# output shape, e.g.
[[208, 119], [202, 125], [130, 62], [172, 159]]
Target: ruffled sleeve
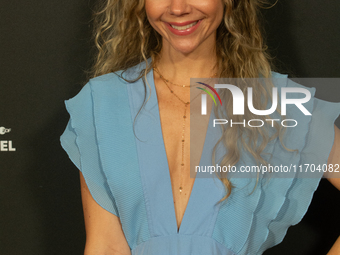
[[254, 220], [80, 142], [318, 140], [284, 201]]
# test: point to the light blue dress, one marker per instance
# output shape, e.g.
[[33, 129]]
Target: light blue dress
[[130, 178]]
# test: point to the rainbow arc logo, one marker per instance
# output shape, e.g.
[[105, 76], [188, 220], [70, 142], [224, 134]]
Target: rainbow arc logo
[[209, 93]]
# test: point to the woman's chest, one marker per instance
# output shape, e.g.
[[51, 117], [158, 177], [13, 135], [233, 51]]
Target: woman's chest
[[183, 142]]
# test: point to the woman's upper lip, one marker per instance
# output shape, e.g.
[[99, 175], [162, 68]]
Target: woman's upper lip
[[180, 24]]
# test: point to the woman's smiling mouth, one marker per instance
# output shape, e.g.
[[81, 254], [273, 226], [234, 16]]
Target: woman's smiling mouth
[[184, 28]]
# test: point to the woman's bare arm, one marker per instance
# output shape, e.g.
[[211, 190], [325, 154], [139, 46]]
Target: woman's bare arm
[[335, 250], [334, 158], [104, 234]]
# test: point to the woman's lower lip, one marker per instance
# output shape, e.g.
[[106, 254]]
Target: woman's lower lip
[[183, 32]]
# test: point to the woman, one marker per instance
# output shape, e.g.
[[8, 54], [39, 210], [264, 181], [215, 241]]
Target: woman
[[129, 134]]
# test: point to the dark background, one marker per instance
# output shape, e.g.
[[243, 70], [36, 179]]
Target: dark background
[[44, 51]]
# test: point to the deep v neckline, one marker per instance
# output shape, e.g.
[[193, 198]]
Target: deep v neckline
[[196, 182]]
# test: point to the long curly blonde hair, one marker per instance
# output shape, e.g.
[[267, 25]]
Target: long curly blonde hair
[[124, 38]]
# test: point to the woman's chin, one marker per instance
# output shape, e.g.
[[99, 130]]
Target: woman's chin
[[187, 49]]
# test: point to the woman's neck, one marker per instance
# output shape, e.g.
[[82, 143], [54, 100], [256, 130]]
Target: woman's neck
[[179, 67]]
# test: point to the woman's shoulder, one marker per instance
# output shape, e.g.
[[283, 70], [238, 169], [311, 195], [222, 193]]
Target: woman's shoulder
[[117, 78], [109, 83], [109, 79], [101, 92], [278, 75]]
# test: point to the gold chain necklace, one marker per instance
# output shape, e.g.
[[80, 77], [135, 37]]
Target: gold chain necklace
[[184, 118], [166, 80]]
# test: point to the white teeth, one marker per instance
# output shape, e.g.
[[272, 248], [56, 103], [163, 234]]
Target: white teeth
[[184, 27]]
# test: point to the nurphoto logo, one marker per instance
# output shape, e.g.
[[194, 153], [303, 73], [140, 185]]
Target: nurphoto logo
[[239, 103]]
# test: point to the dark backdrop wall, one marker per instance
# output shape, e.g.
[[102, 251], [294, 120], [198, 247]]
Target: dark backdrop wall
[[44, 51]]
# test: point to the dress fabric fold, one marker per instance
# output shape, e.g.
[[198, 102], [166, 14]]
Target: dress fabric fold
[[125, 167]]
